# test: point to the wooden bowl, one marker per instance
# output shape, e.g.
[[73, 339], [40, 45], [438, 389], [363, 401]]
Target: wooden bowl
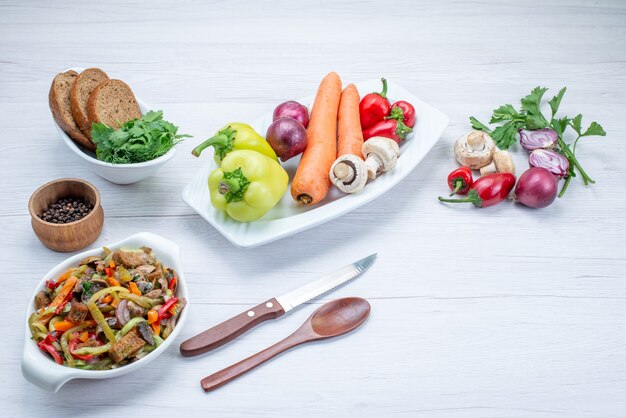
[[71, 236]]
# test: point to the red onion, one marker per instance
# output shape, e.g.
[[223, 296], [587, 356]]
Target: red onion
[[292, 110], [287, 137], [539, 138], [536, 188], [122, 313], [552, 161]]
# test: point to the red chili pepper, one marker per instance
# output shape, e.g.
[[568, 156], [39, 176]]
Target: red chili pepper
[[390, 128], [460, 180], [46, 345], [172, 285], [51, 285], [487, 190], [374, 107], [72, 346], [403, 111], [163, 310]]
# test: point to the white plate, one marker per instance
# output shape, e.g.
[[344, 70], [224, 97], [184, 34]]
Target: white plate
[[288, 218]]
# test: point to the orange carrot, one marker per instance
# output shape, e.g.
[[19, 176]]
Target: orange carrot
[[311, 183], [112, 281], [152, 316], [63, 325], [107, 299], [349, 133], [84, 336], [156, 327], [134, 289], [68, 286]]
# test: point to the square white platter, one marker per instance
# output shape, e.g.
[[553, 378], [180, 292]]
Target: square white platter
[[288, 218]]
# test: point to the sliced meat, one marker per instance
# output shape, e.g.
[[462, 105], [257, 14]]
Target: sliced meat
[[78, 312], [153, 294], [88, 343], [145, 269], [132, 259], [90, 259], [126, 346], [42, 300], [155, 275], [135, 310]]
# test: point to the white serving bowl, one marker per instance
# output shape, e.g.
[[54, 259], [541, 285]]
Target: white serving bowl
[[39, 368], [116, 173]]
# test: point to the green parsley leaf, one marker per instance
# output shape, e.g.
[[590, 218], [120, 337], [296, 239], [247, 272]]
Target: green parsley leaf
[[137, 140], [504, 113], [555, 102], [594, 129], [559, 125], [479, 126], [532, 105], [506, 135], [576, 123]]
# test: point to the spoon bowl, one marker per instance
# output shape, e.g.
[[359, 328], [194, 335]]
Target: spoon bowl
[[339, 316], [330, 320]]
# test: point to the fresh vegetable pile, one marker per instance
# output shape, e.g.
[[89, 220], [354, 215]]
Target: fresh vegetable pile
[[551, 158], [108, 311], [345, 142], [137, 140]]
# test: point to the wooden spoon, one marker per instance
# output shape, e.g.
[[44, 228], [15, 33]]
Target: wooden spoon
[[330, 320]]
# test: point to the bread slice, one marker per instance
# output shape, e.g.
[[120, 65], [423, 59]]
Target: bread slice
[[59, 101], [113, 103], [84, 84]]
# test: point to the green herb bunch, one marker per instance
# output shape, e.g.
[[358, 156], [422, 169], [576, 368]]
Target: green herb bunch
[[137, 140], [511, 120]]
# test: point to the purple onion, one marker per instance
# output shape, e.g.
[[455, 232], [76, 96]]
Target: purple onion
[[537, 139], [550, 160], [536, 188], [292, 110], [287, 137], [122, 313]]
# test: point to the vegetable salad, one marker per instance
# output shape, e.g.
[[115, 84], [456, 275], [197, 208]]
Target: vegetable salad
[[108, 311]]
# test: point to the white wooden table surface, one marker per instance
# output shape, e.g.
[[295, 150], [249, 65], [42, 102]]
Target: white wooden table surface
[[501, 312]]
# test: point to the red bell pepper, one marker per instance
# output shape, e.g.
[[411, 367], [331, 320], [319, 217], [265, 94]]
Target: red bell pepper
[[390, 128], [46, 345], [403, 111], [172, 284], [487, 190], [72, 346], [61, 306], [460, 180], [51, 285], [374, 107], [109, 271], [163, 311]]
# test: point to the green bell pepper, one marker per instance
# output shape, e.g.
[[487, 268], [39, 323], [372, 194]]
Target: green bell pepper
[[247, 185], [235, 136]]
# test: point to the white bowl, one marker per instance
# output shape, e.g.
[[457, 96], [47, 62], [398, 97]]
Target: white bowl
[[287, 217], [116, 173], [37, 366]]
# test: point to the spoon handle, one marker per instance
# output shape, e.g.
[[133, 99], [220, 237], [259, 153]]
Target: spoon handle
[[224, 376]]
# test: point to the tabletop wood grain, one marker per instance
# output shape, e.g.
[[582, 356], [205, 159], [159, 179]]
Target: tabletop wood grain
[[501, 312]]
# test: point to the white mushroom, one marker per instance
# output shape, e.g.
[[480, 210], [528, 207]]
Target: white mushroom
[[475, 149], [348, 173], [488, 169], [503, 162], [381, 155]]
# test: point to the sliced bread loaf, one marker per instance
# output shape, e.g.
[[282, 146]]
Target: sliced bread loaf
[[113, 103], [59, 101], [84, 84]]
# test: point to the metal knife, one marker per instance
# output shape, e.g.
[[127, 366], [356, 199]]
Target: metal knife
[[271, 309]]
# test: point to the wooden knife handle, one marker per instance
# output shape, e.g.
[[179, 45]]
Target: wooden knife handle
[[231, 329], [224, 376]]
